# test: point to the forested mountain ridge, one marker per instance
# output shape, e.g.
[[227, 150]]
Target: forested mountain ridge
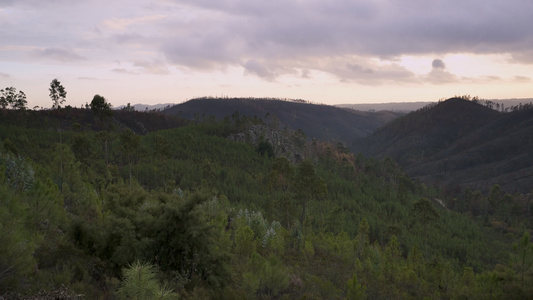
[[500, 104], [457, 142], [90, 206], [322, 122], [460, 143]]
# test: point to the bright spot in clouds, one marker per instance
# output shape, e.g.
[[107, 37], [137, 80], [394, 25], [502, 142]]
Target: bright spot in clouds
[[332, 52]]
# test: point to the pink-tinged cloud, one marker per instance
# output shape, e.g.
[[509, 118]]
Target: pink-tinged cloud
[[58, 54]]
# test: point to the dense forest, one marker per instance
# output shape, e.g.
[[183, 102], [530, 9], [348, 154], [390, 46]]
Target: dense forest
[[323, 122], [460, 143], [102, 204]]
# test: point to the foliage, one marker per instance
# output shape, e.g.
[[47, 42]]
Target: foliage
[[19, 175], [458, 144], [265, 148], [10, 98], [140, 283], [185, 243], [355, 290], [57, 93], [100, 107], [16, 242], [107, 212]]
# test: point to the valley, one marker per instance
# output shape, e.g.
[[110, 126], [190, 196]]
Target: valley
[[266, 199]]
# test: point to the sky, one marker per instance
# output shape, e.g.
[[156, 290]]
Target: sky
[[329, 51]]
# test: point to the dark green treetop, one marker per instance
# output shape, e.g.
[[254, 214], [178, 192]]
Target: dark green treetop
[[100, 107]]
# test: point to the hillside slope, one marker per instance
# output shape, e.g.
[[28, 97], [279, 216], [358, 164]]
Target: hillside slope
[[499, 104], [87, 205], [496, 153], [460, 143], [322, 122]]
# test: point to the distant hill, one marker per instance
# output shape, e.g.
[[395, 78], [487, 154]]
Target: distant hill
[[323, 122], [146, 107], [392, 106], [412, 106], [460, 143]]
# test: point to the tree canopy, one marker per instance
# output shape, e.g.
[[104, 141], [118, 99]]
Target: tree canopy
[[100, 107], [10, 98], [58, 93], [184, 211]]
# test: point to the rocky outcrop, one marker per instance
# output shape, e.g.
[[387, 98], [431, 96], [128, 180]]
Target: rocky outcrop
[[283, 144]]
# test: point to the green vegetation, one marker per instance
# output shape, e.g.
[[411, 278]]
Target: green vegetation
[[324, 122], [9, 98], [460, 144], [100, 107], [58, 93], [90, 205]]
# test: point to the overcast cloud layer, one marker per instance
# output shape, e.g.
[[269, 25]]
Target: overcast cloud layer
[[354, 40]]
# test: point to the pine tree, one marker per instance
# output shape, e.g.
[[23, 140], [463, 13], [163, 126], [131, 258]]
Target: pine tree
[[140, 283]]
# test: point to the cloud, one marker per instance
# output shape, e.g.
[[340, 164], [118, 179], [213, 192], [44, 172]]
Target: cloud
[[7, 3], [438, 64], [385, 28], [88, 78], [124, 71], [525, 56], [157, 68], [366, 71], [243, 32], [439, 75], [305, 73], [144, 67], [203, 53], [354, 40], [129, 39], [256, 68], [4, 75], [58, 54], [123, 23], [521, 79], [492, 78]]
